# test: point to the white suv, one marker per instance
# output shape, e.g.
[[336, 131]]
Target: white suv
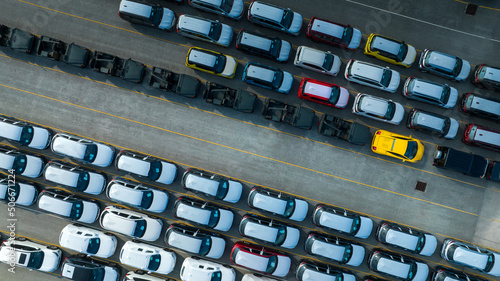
[[24, 133], [88, 241], [196, 269], [146, 166], [378, 108], [131, 223], [372, 75], [74, 177], [26, 253], [137, 195], [316, 60], [147, 257], [205, 30]]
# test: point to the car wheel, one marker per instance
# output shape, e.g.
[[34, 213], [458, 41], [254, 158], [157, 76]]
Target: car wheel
[[153, 217], [135, 241], [77, 225], [167, 250], [20, 239], [81, 255], [195, 258], [52, 247], [140, 272]]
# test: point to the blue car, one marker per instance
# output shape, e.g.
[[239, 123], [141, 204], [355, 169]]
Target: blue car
[[268, 77]]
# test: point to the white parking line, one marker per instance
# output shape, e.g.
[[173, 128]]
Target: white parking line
[[429, 23]]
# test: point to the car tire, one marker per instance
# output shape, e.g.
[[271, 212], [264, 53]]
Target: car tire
[[167, 250], [136, 240], [153, 217], [195, 258], [108, 234], [81, 255], [20, 239], [77, 225], [52, 247], [112, 264]]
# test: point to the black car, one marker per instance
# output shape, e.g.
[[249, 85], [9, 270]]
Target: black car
[[493, 171], [195, 240], [264, 46], [441, 274], [83, 268]]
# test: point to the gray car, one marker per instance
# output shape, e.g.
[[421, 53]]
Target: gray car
[[432, 123], [372, 75], [195, 240], [430, 92], [205, 30], [444, 65], [232, 9], [381, 109], [83, 150], [277, 203], [137, 195], [275, 17], [269, 231], [472, 256], [406, 238]]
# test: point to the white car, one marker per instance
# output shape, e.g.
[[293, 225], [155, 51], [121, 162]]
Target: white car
[[335, 248], [146, 166], [140, 275], [21, 163], [84, 150], [261, 259], [194, 240], [131, 223], [372, 75], [74, 177], [406, 238], [68, 205], [256, 277], [203, 29], [88, 241], [196, 269], [381, 109], [316, 60], [212, 185], [24, 133], [398, 266], [343, 221], [269, 231], [21, 193], [444, 65], [277, 203], [147, 257], [471, 256], [307, 271], [137, 195], [29, 254], [203, 214]]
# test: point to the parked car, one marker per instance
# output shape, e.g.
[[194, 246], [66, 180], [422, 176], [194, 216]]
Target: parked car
[[372, 75], [472, 256], [20, 163], [397, 146], [493, 171], [147, 14], [137, 195], [441, 273], [196, 269], [381, 109], [444, 65], [205, 30], [146, 166], [332, 33], [487, 76], [272, 16], [212, 185], [406, 238], [398, 266], [277, 203], [264, 46], [260, 259], [195, 241], [74, 177], [464, 162], [211, 62], [316, 60], [140, 275], [83, 150], [232, 9], [88, 241], [268, 77], [482, 136], [335, 249], [131, 223], [431, 123], [203, 214], [430, 92], [269, 231], [323, 93], [26, 253], [343, 221], [390, 50], [81, 268], [256, 277], [68, 205], [147, 257], [488, 108], [22, 193], [308, 271], [24, 133]]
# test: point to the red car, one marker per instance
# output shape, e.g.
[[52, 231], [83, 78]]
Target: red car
[[323, 92], [260, 259], [482, 136], [333, 33]]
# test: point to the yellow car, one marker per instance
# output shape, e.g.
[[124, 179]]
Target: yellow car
[[211, 62], [390, 50], [397, 146]]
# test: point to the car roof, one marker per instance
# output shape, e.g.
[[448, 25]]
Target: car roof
[[470, 257], [184, 241], [485, 105], [393, 267], [442, 60], [200, 57], [194, 23], [256, 41], [402, 239], [202, 184], [384, 44], [492, 73], [260, 72], [10, 131], [7, 160], [427, 88], [312, 55], [487, 136], [313, 275], [430, 120], [336, 221], [58, 206], [213, 2], [70, 147], [319, 90], [260, 231], [330, 250], [368, 70], [374, 105], [193, 213], [138, 166], [121, 192], [118, 223], [251, 260], [327, 27], [267, 11], [269, 202], [140, 9], [59, 175]]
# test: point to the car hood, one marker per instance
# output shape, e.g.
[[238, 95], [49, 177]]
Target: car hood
[[167, 262], [355, 40], [343, 98], [394, 83], [296, 24], [50, 261], [464, 72], [90, 212], [410, 56], [337, 62], [429, 246], [286, 84], [168, 19], [41, 138], [230, 67], [160, 201], [105, 155], [34, 167], [348, 277], [96, 183], [285, 49], [365, 227], [233, 192], [168, 173], [300, 211], [111, 274], [217, 247], [237, 9], [226, 36], [422, 272], [495, 270], [292, 238], [453, 130], [398, 114], [109, 250], [358, 255], [153, 229], [452, 100], [27, 194], [283, 267], [225, 221]]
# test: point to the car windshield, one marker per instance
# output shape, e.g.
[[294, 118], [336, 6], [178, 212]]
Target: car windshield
[[403, 50], [290, 207], [35, 259], [286, 20], [275, 47], [97, 274], [334, 96], [205, 246], [154, 170], [19, 164], [76, 210], [223, 188], [215, 30], [12, 192], [154, 262], [90, 152], [420, 243], [386, 78], [347, 35], [490, 263], [26, 135], [140, 228], [412, 271], [277, 79], [411, 150], [272, 264], [226, 5], [156, 15], [94, 244], [281, 236], [328, 62], [220, 64], [458, 67], [83, 181], [445, 95], [216, 276], [147, 199], [391, 109], [356, 221], [347, 253], [214, 218]]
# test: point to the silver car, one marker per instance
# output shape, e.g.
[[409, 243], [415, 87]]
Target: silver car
[[335, 249], [68, 205], [196, 269], [24, 133], [275, 17], [316, 60], [83, 150], [343, 221], [232, 9], [195, 240], [269, 231], [372, 75], [444, 65], [205, 30], [212, 185], [406, 238], [381, 109], [471, 256], [203, 214], [88, 241], [137, 195]]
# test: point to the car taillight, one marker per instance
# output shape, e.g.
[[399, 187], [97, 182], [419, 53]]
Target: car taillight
[[374, 147], [379, 132]]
